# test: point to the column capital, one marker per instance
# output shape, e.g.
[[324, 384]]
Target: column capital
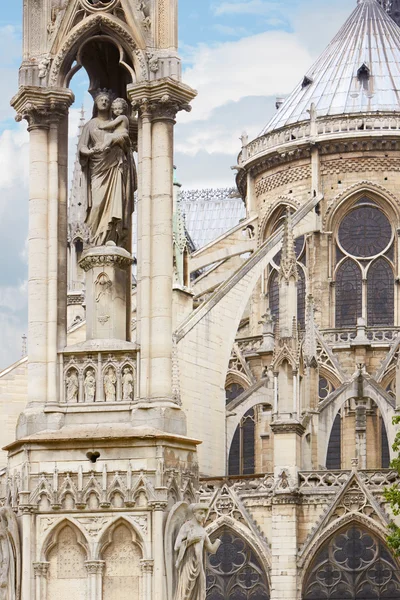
[[161, 99], [95, 567], [41, 106], [147, 566], [41, 569]]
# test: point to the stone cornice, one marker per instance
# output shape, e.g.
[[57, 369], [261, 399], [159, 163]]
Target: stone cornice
[[287, 427], [41, 106]]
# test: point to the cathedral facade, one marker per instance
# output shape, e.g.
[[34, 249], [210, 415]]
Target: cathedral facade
[[205, 411]]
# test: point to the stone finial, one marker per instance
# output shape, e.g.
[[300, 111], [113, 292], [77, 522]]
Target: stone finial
[[354, 464], [288, 266]]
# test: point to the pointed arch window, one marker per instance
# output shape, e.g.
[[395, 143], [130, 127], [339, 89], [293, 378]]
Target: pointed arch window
[[235, 572], [380, 293], [334, 455], [242, 451], [348, 294], [365, 245], [353, 564]]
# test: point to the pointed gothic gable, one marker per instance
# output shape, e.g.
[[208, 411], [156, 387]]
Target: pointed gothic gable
[[64, 20], [227, 506], [353, 501]]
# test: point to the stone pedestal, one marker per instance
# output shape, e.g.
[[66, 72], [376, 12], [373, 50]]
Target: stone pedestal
[[107, 271]]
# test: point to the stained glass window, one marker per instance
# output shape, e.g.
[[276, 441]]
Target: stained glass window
[[353, 565], [274, 294], [384, 446], [365, 231], [348, 294], [242, 451], [301, 298], [380, 294], [334, 455], [324, 388], [234, 572], [232, 391]]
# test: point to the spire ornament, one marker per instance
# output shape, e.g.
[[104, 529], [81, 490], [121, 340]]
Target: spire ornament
[[288, 266]]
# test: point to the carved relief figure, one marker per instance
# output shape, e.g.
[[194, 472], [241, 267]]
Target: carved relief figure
[[127, 384], [191, 545], [110, 381], [109, 174], [72, 386], [90, 386], [10, 556]]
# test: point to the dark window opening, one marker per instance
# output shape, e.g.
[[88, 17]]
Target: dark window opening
[[334, 456], [348, 294], [242, 451]]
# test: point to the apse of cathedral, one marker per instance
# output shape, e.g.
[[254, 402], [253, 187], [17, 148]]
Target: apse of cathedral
[[205, 409]]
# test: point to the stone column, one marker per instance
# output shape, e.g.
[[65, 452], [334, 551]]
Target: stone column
[[95, 570], [26, 544], [38, 268], [157, 103], [287, 461], [44, 109], [144, 247], [147, 567], [158, 551], [41, 570], [162, 252]]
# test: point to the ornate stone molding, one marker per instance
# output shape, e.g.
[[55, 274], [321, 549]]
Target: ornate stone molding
[[105, 256], [40, 106], [81, 31], [287, 427]]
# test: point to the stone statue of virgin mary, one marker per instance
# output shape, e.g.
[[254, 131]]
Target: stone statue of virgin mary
[[108, 172]]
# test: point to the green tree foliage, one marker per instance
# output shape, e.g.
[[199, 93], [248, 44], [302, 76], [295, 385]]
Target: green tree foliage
[[392, 496]]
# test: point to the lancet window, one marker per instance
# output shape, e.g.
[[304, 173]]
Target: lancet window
[[242, 451], [235, 572], [350, 429], [353, 564], [364, 276]]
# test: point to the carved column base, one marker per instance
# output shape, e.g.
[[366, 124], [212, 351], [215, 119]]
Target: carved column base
[[107, 291]]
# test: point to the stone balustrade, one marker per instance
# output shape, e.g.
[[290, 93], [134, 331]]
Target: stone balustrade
[[333, 127]]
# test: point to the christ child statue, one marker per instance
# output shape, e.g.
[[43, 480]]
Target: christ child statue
[[119, 126]]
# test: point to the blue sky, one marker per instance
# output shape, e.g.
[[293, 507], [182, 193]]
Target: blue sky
[[238, 54]]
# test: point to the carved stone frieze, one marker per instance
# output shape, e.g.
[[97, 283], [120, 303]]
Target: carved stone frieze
[[90, 261], [95, 567]]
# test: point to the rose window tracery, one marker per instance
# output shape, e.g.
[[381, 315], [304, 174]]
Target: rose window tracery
[[234, 572], [353, 565]]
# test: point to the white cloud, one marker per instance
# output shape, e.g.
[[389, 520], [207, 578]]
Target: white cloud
[[266, 64]]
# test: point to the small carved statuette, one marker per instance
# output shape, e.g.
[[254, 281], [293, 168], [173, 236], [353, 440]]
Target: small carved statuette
[[72, 386], [110, 381], [191, 544], [90, 386], [127, 384]]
